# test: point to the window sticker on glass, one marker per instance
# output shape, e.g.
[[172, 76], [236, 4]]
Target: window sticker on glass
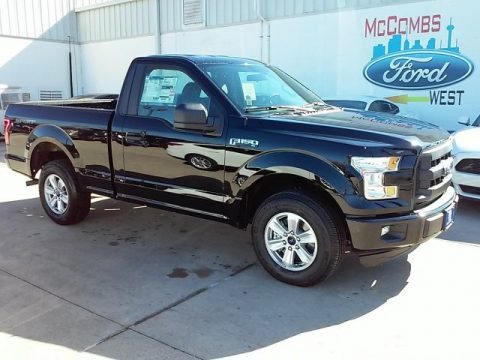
[[249, 93], [159, 89]]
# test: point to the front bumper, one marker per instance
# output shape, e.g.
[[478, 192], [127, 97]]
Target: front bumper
[[406, 231]]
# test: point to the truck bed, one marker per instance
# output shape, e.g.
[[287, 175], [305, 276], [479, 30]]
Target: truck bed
[[83, 126]]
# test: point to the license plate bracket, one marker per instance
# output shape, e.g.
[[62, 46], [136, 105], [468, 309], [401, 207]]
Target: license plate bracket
[[448, 217]]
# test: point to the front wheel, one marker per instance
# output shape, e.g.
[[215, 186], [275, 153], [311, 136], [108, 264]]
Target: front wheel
[[297, 240], [61, 196]]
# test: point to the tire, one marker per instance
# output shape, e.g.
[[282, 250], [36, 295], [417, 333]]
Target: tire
[[317, 257], [63, 210], [202, 162]]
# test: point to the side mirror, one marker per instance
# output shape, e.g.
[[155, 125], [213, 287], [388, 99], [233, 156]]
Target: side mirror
[[191, 116]]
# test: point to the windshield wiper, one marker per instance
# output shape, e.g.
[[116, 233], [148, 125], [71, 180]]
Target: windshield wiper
[[318, 103], [273, 107]]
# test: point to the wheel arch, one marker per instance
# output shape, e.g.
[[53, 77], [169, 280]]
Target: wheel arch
[[49, 142], [285, 171]]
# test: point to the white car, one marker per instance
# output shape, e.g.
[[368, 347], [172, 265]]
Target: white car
[[205, 158], [202, 158], [466, 156], [369, 103]]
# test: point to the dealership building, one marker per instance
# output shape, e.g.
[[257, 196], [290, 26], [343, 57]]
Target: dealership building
[[419, 54]]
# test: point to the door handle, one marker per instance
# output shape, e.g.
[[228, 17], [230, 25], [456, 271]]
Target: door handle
[[143, 138], [139, 138]]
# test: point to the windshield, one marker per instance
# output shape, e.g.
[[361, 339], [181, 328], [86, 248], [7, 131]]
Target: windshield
[[260, 88]]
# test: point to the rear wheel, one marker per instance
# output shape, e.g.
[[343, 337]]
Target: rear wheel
[[298, 240], [61, 196]]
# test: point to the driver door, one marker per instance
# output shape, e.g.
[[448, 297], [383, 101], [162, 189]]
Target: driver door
[[165, 165]]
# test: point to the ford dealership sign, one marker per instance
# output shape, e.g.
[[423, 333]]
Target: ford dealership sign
[[418, 69]]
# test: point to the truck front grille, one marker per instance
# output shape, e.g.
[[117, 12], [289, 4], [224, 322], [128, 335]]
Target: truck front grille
[[434, 172], [471, 166]]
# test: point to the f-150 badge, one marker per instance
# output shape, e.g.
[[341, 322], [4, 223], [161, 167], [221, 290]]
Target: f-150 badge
[[248, 142]]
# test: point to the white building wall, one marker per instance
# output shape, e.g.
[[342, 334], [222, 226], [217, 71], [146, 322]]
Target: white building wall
[[79, 4], [274, 9], [321, 42], [109, 20], [329, 50], [111, 35], [236, 40], [36, 65], [104, 64], [34, 45], [37, 19], [328, 53], [231, 12]]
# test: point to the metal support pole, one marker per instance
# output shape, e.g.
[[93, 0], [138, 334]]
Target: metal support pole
[[70, 70]]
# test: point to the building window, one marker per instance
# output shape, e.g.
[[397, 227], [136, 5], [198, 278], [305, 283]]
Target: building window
[[50, 95], [193, 12]]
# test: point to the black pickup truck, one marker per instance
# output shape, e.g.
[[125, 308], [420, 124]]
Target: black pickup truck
[[237, 141]]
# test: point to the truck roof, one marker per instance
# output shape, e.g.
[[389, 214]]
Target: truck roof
[[207, 59]]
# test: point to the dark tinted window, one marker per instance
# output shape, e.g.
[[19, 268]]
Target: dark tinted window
[[349, 104]]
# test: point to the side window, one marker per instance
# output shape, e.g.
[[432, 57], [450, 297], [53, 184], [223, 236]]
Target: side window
[[164, 89]]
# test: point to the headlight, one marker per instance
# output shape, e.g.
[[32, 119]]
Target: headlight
[[373, 170]]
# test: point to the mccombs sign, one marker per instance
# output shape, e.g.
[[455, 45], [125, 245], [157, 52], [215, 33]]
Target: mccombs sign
[[406, 63]]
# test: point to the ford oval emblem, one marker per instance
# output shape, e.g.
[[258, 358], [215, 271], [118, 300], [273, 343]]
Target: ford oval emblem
[[418, 69]]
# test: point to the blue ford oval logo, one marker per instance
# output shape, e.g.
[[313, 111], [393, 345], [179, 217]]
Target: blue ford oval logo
[[418, 69]]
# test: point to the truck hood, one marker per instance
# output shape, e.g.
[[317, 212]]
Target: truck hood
[[364, 124]]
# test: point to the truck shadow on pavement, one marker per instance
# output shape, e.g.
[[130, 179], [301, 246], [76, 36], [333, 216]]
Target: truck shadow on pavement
[[183, 281]]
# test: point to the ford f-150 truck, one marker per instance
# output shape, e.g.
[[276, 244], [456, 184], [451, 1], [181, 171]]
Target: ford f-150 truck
[[241, 142]]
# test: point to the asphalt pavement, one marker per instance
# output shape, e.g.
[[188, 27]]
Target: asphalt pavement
[[131, 282]]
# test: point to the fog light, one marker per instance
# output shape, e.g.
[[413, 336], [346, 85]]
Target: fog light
[[385, 230]]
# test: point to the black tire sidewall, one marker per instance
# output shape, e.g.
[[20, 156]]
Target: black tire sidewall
[[75, 201], [322, 224]]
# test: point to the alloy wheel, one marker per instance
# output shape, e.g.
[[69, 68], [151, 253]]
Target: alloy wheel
[[291, 241]]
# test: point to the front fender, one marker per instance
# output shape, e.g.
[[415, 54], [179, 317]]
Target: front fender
[[333, 177], [305, 165], [55, 135]]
